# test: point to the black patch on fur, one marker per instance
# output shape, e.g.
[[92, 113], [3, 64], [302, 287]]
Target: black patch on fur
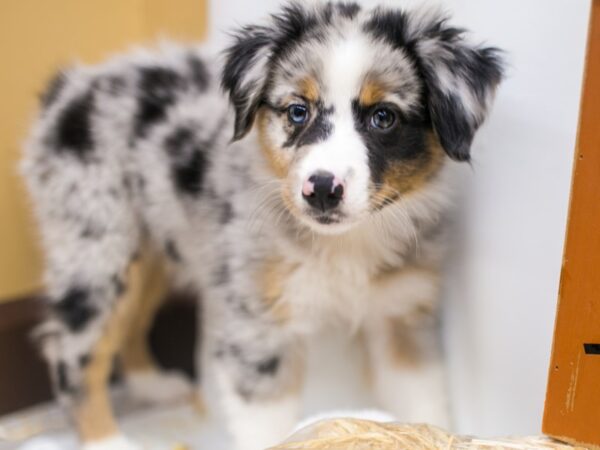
[[62, 378], [233, 350], [188, 160], [226, 213], [112, 85], [178, 142], [140, 182], [91, 231], [157, 91], [84, 360], [199, 73], [114, 193], [269, 366], [347, 10], [172, 251], [126, 180], [405, 140], [318, 129], [74, 308], [389, 25], [53, 90], [222, 276], [296, 24], [244, 309], [118, 284], [115, 85], [189, 176], [239, 303], [74, 126], [135, 256]]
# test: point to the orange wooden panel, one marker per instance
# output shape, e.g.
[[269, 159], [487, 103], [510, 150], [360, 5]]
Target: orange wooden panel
[[572, 409]]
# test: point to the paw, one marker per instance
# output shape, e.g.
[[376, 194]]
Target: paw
[[159, 387], [117, 442]]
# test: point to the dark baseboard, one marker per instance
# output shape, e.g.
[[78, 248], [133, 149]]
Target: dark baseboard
[[24, 379]]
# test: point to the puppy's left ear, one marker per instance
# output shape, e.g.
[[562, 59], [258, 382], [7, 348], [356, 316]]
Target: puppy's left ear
[[461, 81]]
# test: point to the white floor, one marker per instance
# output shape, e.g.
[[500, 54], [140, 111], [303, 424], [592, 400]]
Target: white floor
[[155, 429], [332, 382]]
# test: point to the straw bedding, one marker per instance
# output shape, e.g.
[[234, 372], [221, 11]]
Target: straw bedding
[[357, 434]]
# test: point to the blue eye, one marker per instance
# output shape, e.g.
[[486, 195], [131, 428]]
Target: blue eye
[[383, 118], [297, 114]]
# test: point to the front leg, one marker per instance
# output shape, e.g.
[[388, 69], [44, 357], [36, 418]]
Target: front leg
[[252, 365], [404, 348], [253, 375]]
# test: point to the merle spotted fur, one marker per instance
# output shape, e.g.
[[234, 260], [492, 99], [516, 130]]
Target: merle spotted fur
[[160, 148]]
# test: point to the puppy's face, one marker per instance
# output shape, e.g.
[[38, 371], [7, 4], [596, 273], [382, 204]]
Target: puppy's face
[[356, 109], [343, 125]]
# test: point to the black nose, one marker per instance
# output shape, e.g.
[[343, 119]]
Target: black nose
[[326, 192]]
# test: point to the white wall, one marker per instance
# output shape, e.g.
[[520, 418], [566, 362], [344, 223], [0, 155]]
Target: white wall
[[503, 277]]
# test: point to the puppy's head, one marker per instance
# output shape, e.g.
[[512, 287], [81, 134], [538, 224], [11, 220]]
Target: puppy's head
[[357, 108]]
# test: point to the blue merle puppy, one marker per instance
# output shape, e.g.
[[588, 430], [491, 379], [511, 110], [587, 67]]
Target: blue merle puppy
[[291, 202]]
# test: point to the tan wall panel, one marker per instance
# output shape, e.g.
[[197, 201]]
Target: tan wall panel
[[36, 37], [182, 19]]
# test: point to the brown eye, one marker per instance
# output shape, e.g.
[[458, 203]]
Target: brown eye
[[383, 118]]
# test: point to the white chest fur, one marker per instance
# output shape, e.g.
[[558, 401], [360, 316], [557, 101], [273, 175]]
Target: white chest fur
[[333, 280]]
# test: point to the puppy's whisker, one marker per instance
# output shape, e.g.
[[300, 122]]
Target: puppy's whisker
[[396, 210], [267, 206]]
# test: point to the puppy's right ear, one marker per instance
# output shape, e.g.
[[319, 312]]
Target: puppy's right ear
[[245, 74]]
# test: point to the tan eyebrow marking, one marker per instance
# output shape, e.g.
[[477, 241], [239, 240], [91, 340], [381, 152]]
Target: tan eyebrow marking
[[309, 88], [372, 92]]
